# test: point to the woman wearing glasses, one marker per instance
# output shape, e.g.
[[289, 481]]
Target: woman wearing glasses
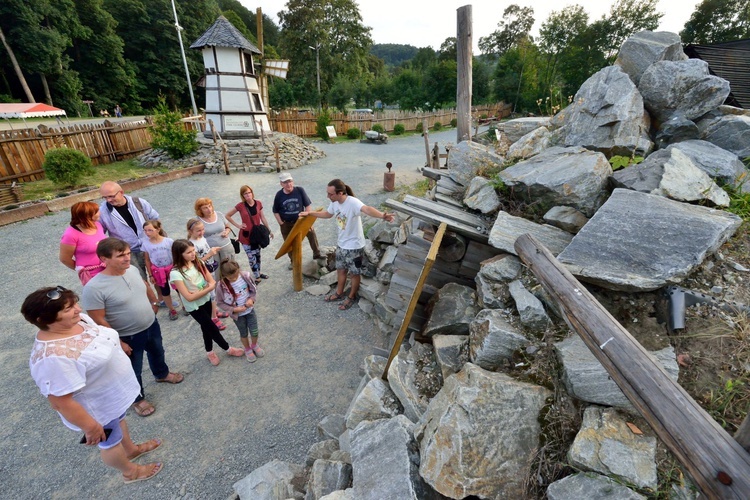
[[251, 213], [81, 369], [78, 242]]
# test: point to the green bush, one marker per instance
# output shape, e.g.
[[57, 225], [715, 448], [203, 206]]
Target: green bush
[[437, 126], [66, 167], [399, 129], [378, 128], [619, 162], [324, 119], [353, 133], [454, 122], [418, 128], [169, 133]]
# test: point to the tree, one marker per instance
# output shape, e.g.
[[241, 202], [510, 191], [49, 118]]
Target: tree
[[716, 21], [626, 18], [17, 68], [448, 51], [238, 23], [513, 27], [406, 90], [561, 38]]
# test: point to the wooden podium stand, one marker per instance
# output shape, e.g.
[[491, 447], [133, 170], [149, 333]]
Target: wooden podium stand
[[293, 244]]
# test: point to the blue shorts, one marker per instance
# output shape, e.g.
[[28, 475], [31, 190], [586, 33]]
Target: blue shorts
[[116, 437]]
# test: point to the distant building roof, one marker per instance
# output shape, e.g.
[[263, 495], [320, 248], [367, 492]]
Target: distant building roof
[[730, 61], [223, 34]]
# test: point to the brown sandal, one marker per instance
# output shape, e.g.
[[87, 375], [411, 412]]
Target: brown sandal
[[334, 297], [155, 469], [143, 408], [348, 303], [147, 448], [172, 378]]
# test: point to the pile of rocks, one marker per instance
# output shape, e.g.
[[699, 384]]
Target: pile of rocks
[[454, 419], [244, 155]]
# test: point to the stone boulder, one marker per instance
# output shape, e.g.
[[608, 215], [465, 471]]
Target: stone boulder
[[530, 309], [451, 353], [491, 294], [571, 176], [672, 174], [468, 159], [605, 444], [586, 379], [493, 340], [275, 480], [507, 228], [643, 49], [481, 196], [479, 434], [327, 476], [322, 450], [450, 310], [332, 426], [385, 462], [606, 115], [720, 164], [414, 378], [390, 233], [503, 268], [566, 218], [376, 401], [515, 129], [676, 129], [684, 88], [728, 131], [531, 144], [641, 242], [589, 486]]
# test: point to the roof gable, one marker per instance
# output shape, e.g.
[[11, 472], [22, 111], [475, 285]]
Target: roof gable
[[223, 34]]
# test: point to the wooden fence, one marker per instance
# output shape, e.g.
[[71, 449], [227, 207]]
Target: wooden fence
[[304, 123]]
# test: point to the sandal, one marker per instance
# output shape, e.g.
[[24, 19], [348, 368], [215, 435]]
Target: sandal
[[334, 297], [172, 378], [222, 314], [219, 324], [143, 408], [348, 303], [149, 446], [155, 469]]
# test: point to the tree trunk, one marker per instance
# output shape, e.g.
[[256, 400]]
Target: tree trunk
[[13, 60], [47, 95]]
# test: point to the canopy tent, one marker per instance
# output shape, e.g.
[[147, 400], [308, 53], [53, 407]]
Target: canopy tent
[[29, 110]]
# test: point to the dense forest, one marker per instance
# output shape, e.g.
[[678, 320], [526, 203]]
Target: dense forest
[[126, 52]]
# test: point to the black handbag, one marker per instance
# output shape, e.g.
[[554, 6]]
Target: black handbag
[[235, 243], [260, 236]]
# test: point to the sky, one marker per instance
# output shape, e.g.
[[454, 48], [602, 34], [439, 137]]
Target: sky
[[429, 22]]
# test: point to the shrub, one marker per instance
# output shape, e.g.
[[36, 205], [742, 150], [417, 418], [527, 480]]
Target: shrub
[[324, 119], [353, 133], [378, 128], [418, 128], [454, 122], [169, 133], [619, 162], [437, 126], [66, 167], [398, 129]]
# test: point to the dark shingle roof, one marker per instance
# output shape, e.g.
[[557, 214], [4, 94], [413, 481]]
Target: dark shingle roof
[[223, 34], [730, 61]]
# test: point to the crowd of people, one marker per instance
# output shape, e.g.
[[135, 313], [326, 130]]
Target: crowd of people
[[89, 365]]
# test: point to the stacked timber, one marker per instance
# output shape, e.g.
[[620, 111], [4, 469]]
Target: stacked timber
[[444, 189]]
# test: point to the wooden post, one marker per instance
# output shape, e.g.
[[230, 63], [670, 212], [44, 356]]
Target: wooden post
[[719, 466], [429, 261], [426, 136], [463, 66], [276, 155], [436, 157], [213, 130], [293, 244]]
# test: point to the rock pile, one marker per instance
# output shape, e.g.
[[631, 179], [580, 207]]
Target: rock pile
[[244, 155], [459, 416]]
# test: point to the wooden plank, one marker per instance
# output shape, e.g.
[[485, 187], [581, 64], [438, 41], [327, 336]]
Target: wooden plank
[[718, 465], [449, 211], [293, 244], [414, 296], [463, 229]]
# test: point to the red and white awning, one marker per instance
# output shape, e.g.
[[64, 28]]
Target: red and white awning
[[26, 110]]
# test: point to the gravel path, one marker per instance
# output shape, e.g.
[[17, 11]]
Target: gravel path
[[221, 422]]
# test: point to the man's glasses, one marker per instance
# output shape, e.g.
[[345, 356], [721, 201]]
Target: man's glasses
[[55, 294], [111, 196]]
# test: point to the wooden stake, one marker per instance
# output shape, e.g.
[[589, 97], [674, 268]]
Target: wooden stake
[[463, 70]]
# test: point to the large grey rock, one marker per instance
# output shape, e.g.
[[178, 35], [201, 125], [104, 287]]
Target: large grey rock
[[467, 159], [491, 294], [641, 242], [519, 127], [591, 487], [493, 340], [412, 378], [390, 233], [729, 131], [464, 450], [275, 480], [676, 129], [331, 426], [451, 310], [481, 196], [720, 164], [586, 379], [339, 495], [530, 309], [606, 115], [326, 477], [370, 289], [643, 49], [503, 268], [451, 353], [566, 218], [385, 461], [683, 88], [672, 174], [507, 228], [372, 367], [605, 444], [321, 450], [388, 258], [571, 176], [531, 144], [376, 401]]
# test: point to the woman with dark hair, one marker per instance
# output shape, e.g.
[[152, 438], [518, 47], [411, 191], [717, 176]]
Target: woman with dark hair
[[81, 369], [78, 242], [194, 283], [251, 213]]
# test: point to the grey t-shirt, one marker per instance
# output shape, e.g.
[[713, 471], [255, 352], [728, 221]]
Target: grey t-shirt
[[124, 300]]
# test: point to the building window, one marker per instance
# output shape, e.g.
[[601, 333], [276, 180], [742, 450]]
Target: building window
[[248, 59], [256, 101]]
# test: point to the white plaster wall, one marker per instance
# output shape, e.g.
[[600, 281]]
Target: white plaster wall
[[229, 60]]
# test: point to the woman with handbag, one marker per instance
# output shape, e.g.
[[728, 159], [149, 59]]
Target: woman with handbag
[[254, 230], [216, 228]]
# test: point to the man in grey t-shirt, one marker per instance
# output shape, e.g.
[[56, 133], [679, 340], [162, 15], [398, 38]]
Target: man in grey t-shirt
[[119, 298]]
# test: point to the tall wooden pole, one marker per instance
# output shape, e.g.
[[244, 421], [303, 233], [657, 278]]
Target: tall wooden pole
[[464, 65]]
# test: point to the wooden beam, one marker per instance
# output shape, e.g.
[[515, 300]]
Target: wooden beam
[[460, 228], [463, 71], [429, 261], [719, 466], [293, 244]]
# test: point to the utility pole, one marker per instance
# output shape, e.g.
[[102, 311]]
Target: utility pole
[[317, 62], [184, 59]]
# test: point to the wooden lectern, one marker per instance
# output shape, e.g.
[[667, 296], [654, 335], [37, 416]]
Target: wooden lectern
[[293, 244]]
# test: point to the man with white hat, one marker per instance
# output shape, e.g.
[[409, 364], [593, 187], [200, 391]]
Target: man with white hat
[[288, 203]]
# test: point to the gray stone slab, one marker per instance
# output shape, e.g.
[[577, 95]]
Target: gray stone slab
[[507, 228], [589, 486]]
